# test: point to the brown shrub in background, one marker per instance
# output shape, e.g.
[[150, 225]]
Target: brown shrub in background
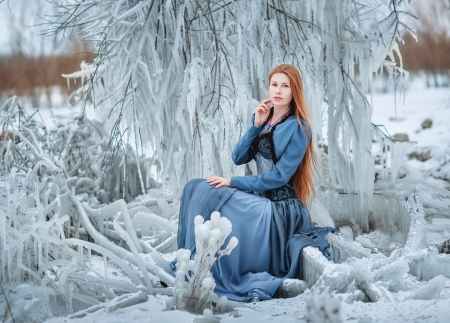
[[30, 76], [431, 53]]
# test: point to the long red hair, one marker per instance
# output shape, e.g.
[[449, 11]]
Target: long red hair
[[303, 178]]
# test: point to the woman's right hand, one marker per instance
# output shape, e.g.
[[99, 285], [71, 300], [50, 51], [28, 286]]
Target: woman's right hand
[[262, 112]]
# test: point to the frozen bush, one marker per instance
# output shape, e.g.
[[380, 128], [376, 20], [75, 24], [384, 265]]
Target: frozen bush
[[194, 283]]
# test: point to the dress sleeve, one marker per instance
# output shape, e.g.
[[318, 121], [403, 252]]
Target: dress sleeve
[[240, 154], [283, 170]]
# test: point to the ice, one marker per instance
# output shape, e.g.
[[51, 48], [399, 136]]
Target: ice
[[148, 223], [377, 241], [208, 317], [342, 248], [385, 215], [291, 288], [347, 232], [416, 235], [430, 265], [113, 305], [320, 215], [194, 283], [430, 290]]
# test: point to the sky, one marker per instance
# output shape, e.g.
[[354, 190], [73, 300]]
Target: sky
[[18, 30]]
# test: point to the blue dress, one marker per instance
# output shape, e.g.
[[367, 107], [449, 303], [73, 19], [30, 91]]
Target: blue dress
[[271, 224]]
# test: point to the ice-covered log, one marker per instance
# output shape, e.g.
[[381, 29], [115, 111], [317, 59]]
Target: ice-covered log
[[113, 305], [150, 221], [290, 288], [431, 289], [103, 241], [339, 278], [429, 264], [314, 263], [342, 248], [100, 215], [386, 213], [124, 234]]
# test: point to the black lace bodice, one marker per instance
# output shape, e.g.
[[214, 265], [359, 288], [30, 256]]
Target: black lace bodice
[[263, 151]]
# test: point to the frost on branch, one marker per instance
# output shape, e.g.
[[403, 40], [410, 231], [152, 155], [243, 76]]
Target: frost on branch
[[383, 275], [194, 284], [181, 78], [47, 221]]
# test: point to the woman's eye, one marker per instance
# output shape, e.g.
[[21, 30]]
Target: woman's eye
[[286, 85]]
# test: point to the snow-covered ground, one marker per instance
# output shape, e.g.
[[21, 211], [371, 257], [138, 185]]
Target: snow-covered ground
[[420, 104], [278, 310]]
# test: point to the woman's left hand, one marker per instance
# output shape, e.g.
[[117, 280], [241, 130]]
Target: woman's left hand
[[220, 181]]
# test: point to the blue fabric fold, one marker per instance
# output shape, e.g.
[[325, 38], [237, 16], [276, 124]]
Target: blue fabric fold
[[271, 237]]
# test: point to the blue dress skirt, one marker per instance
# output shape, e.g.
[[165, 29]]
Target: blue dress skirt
[[272, 227]]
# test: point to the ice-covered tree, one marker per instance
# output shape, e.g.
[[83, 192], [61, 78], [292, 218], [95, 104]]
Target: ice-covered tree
[[179, 79]]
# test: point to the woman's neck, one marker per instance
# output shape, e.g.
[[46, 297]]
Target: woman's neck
[[278, 111]]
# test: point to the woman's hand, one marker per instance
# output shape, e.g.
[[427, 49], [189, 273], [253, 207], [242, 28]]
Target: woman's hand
[[220, 181], [262, 112]]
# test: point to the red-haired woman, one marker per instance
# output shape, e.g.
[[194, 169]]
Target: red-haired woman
[[268, 210]]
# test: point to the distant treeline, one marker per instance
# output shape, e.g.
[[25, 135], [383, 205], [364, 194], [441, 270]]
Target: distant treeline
[[431, 53], [31, 76]]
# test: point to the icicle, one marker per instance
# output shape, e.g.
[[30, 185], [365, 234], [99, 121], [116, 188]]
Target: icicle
[[416, 235]]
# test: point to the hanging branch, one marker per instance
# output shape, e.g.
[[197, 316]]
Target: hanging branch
[[189, 59]]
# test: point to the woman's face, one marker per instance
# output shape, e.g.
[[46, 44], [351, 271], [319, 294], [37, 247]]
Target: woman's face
[[280, 90]]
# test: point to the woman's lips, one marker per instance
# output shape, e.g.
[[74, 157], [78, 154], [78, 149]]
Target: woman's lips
[[277, 98]]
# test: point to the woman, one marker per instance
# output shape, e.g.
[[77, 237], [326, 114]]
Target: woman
[[267, 210]]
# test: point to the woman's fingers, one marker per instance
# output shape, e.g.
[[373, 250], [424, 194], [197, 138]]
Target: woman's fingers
[[213, 180], [223, 182], [266, 107], [218, 181], [262, 108]]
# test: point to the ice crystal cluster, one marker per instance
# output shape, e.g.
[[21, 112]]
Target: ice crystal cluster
[[194, 284]]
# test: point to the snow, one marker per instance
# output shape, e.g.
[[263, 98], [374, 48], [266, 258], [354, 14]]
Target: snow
[[414, 300], [276, 310], [420, 104]]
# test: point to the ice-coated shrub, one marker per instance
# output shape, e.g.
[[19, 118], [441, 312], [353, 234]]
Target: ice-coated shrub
[[76, 145], [47, 186], [194, 283]]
